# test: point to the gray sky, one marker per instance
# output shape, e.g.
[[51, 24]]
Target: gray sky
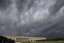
[[44, 18]]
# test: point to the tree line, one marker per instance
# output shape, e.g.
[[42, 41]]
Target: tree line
[[55, 39], [6, 40]]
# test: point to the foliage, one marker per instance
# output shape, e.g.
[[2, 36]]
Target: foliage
[[6, 40], [55, 39], [47, 42]]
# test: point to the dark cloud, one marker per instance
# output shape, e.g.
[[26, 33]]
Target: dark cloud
[[20, 5], [30, 4], [32, 18], [4, 4], [56, 7]]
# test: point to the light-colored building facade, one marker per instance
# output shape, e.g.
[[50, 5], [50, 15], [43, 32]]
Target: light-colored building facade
[[19, 39]]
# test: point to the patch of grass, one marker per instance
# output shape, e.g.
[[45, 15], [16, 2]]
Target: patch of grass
[[46, 42]]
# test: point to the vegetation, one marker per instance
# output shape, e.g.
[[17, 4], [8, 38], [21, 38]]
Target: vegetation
[[6, 40], [56, 40], [47, 42]]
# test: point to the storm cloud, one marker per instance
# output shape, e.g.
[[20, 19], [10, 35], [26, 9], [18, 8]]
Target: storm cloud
[[43, 18]]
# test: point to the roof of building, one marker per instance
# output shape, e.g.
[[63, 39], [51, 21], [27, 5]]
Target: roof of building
[[23, 37]]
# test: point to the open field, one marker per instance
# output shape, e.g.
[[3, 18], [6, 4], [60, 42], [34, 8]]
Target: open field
[[47, 42]]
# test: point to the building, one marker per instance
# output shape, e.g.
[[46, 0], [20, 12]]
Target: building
[[19, 39]]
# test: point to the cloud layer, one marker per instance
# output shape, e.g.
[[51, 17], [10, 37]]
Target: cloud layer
[[32, 17]]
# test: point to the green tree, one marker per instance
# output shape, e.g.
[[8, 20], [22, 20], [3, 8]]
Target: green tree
[[6, 40]]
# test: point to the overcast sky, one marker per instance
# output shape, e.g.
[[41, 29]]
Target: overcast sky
[[43, 18]]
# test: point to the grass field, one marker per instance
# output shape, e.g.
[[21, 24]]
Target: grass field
[[47, 42]]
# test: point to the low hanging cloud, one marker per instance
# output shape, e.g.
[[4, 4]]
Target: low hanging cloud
[[32, 18]]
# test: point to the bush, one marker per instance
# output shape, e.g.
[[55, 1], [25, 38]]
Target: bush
[[6, 40]]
